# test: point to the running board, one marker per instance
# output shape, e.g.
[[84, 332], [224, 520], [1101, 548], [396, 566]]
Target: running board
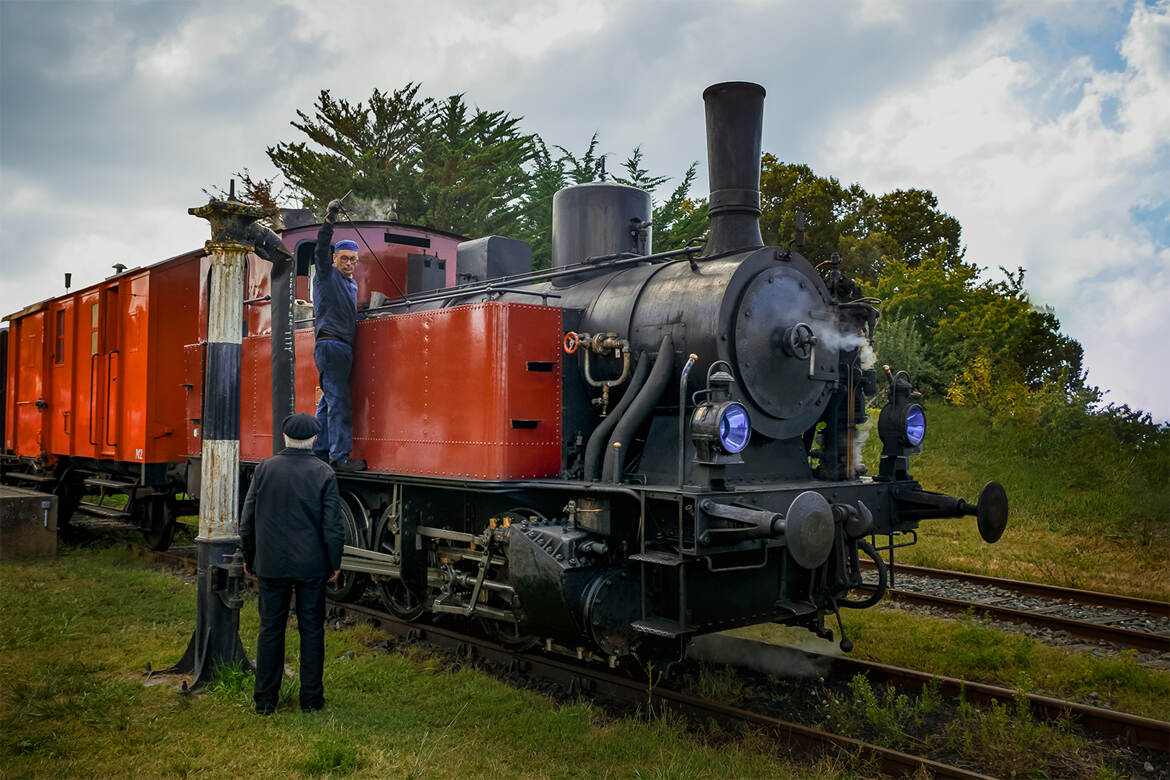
[[369, 562]]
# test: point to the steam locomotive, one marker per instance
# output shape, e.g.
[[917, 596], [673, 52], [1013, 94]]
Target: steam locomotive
[[612, 455]]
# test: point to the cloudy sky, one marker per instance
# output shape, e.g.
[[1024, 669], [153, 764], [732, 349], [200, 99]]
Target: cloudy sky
[[1043, 126]]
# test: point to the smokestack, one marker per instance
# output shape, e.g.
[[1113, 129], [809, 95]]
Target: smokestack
[[735, 115]]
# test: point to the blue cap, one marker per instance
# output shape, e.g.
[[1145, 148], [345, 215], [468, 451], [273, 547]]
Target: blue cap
[[300, 426], [346, 245]]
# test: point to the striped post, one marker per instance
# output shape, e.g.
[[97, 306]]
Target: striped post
[[216, 640], [220, 468]]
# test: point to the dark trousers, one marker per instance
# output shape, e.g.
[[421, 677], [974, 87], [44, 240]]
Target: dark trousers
[[334, 361], [275, 596]]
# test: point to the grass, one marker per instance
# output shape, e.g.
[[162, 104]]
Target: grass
[[1002, 740], [75, 633], [967, 650], [1092, 514], [718, 683]]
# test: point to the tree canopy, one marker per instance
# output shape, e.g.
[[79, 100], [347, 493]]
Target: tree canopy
[[446, 165], [431, 162]]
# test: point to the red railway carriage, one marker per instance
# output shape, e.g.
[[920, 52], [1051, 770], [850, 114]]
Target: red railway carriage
[[97, 375]]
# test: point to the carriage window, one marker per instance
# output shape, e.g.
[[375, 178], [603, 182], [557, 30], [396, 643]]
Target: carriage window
[[93, 335], [305, 267], [59, 355]]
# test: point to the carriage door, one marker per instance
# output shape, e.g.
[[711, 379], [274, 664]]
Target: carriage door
[[111, 373], [28, 404], [87, 426], [61, 412]]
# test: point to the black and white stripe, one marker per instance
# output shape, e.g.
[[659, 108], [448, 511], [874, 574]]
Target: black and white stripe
[[220, 467]]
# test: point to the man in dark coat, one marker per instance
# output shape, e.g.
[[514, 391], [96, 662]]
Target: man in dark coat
[[335, 317], [292, 536]]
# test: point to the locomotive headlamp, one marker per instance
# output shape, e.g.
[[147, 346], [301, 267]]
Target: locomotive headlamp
[[720, 427], [720, 431], [735, 427], [902, 427], [915, 422]]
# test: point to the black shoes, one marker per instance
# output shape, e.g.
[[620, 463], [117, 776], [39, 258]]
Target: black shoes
[[345, 463]]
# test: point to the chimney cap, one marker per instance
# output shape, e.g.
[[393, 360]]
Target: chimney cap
[[725, 86]]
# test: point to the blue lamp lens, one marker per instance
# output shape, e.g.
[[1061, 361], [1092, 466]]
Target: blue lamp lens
[[735, 428], [915, 424]]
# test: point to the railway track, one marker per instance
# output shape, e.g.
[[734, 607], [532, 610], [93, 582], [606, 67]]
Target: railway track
[[1159, 609], [602, 685], [579, 678], [764, 658], [1039, 606]]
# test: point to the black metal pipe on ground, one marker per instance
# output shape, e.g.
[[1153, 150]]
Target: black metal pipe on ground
[[600, 435], [640, 409]]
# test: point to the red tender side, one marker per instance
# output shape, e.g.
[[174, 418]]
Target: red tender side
[[471, 391]]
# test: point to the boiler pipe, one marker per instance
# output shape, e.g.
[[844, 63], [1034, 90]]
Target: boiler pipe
[[639, 410], [682, 423], [600, 435]]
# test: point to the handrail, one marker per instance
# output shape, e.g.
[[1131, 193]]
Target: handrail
[[109, 380], [92, 396]]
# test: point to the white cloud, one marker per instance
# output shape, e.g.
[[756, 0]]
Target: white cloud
[[1051, 193]]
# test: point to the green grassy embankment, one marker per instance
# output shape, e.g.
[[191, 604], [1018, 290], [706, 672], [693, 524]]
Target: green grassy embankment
[[76, 632], [1087, 511]]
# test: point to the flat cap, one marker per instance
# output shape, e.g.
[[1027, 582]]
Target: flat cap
[[300, 426]]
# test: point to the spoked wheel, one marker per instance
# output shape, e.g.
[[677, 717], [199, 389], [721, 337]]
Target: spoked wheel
[[509, 635], [350, 584], [69, 492], [156, 520], [392, 591]]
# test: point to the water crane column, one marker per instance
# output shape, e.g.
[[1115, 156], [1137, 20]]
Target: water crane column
[[216, 639]]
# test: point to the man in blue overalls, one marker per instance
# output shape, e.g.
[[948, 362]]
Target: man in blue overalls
[[335, 315]]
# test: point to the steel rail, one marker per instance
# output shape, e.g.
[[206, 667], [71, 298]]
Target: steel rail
[[1091, 598], [1122, 637], [579, 678], [768, 658], [1136, 730]]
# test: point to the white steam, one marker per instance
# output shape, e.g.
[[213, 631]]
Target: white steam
[[764, 658], [860, 436], [868, 356], [373, 209], [841, 340]]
